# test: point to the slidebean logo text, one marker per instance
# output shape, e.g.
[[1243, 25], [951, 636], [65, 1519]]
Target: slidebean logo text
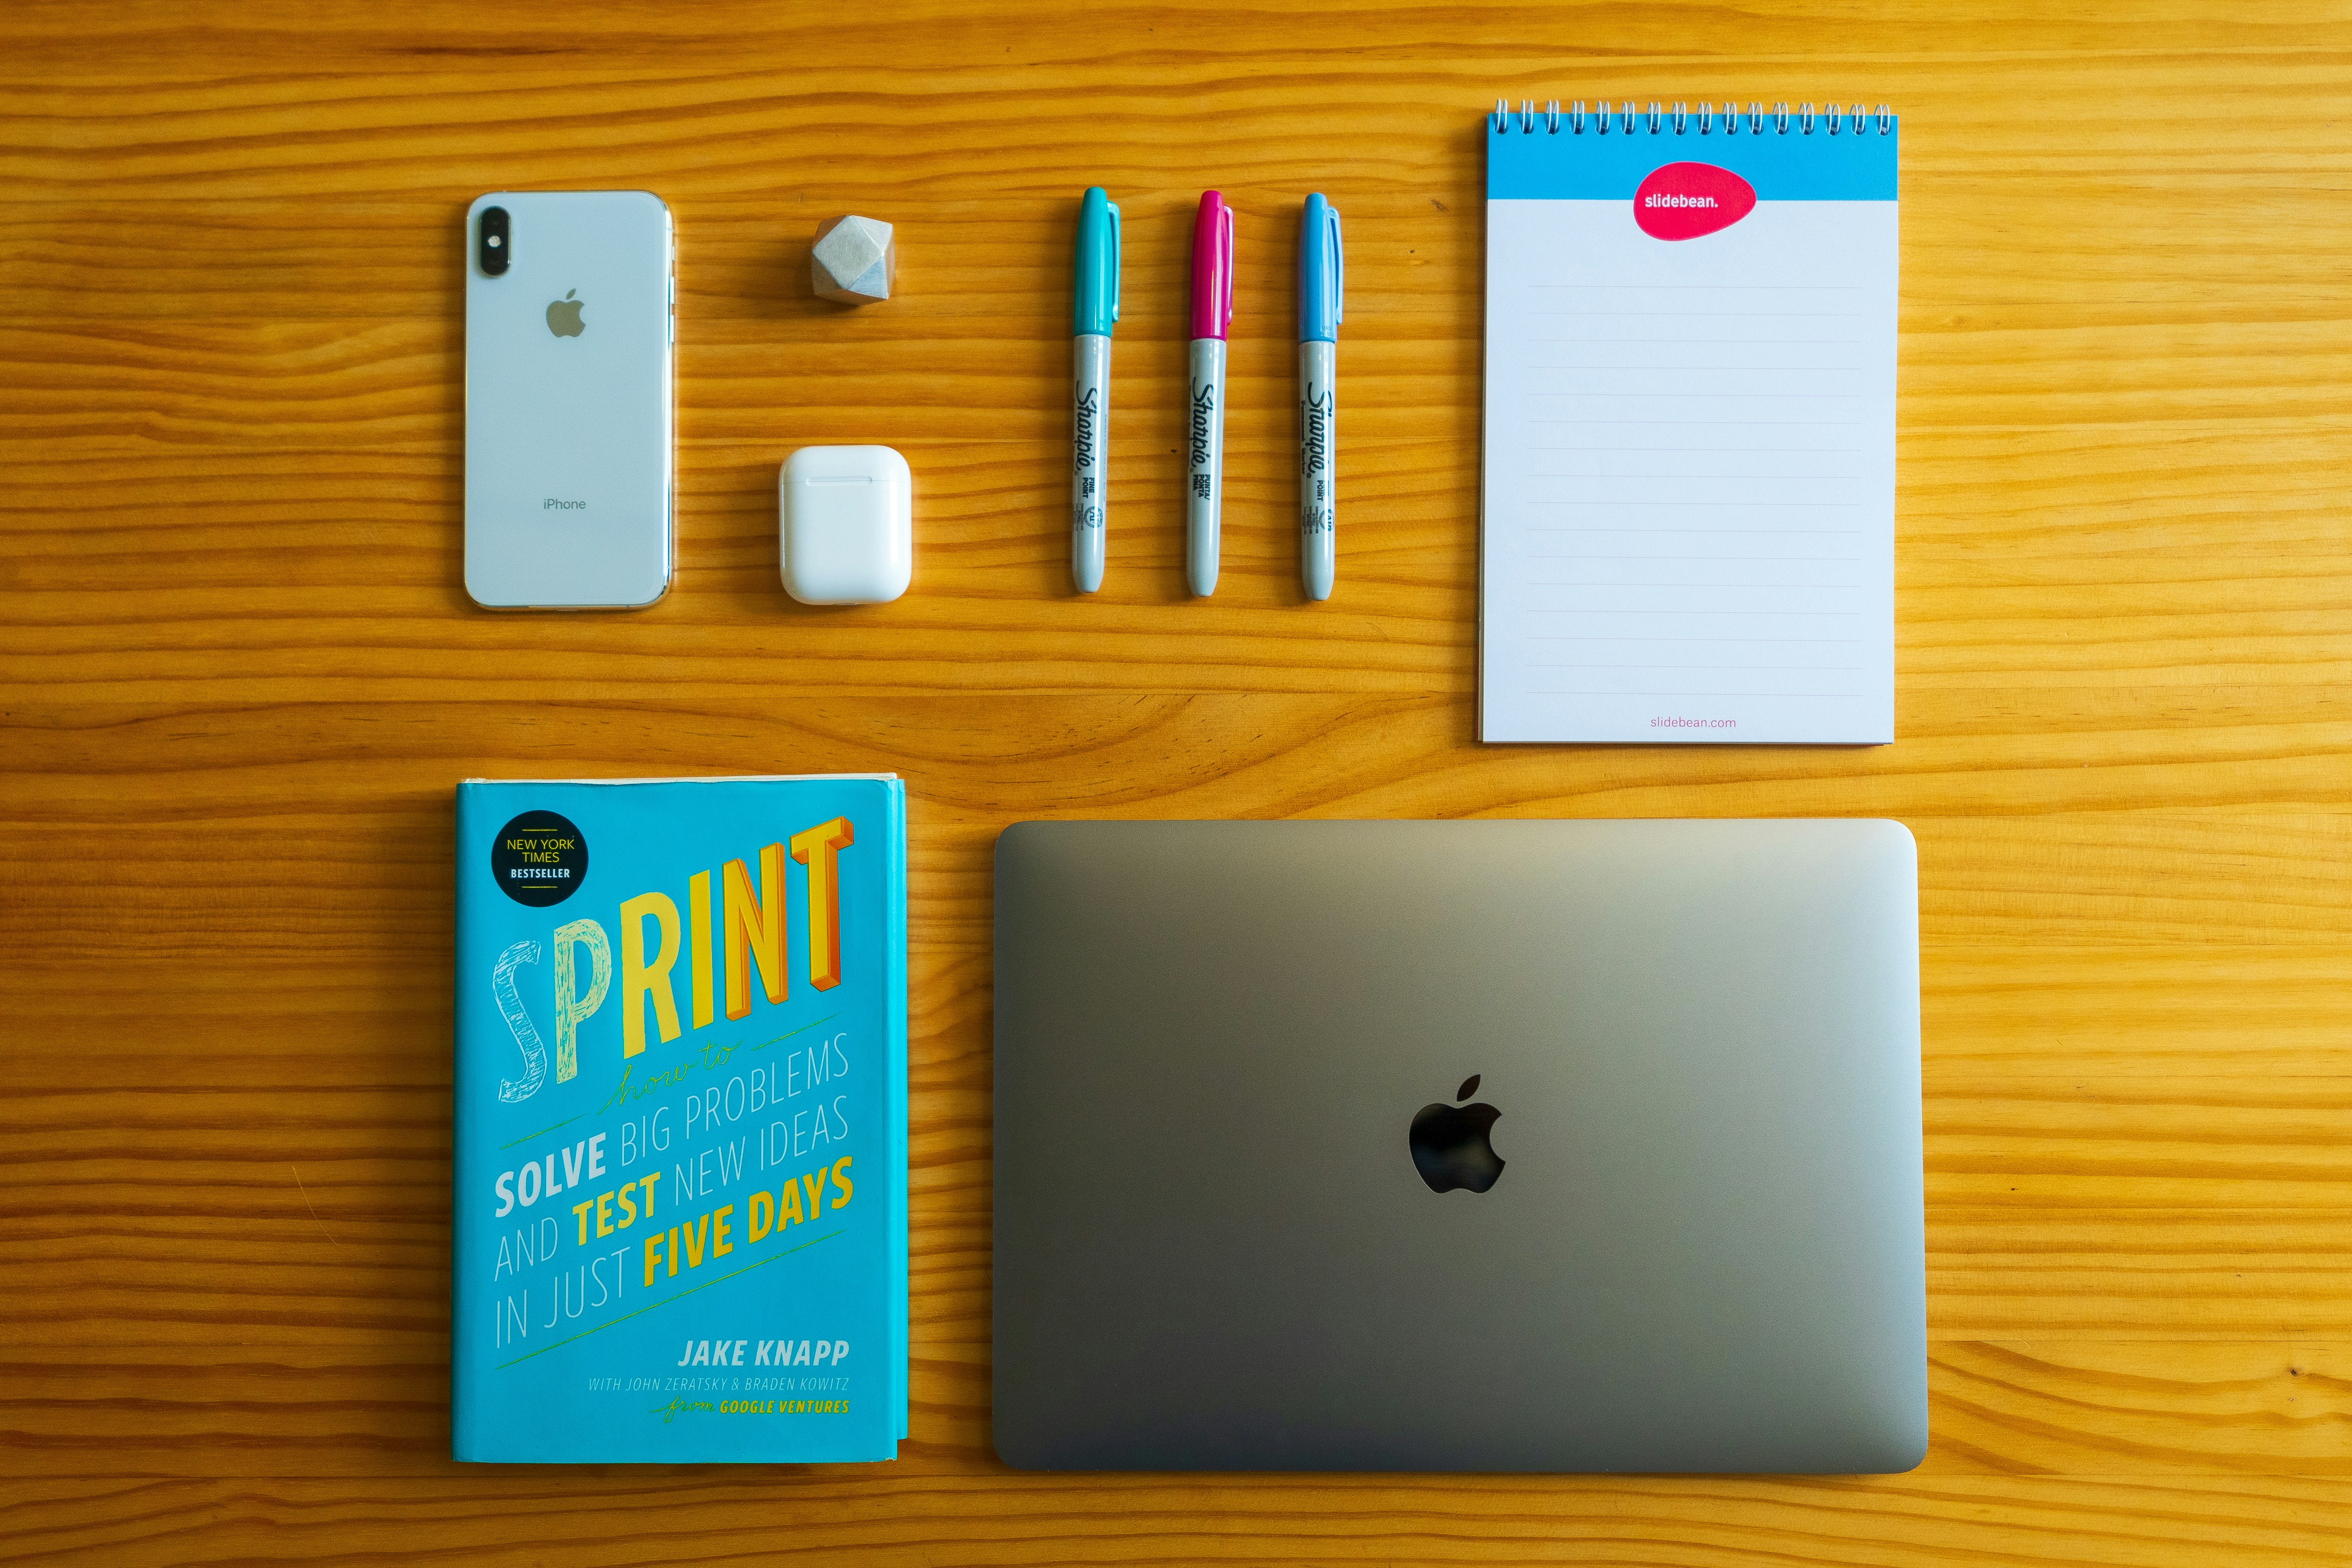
[[1685, 200]]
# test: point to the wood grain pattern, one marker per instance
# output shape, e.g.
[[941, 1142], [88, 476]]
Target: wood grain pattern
[[238, 677]]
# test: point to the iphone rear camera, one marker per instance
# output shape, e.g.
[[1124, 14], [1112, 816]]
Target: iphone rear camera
[[496, 242]]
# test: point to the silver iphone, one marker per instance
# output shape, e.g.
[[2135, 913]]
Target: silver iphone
[[569, 345]]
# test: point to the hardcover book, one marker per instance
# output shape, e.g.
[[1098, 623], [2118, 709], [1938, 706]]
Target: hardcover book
[[681, 1104]]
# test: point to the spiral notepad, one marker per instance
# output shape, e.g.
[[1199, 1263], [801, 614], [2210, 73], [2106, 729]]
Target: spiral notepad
[[1688, 510]]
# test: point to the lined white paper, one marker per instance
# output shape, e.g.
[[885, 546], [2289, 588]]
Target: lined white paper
[[1688, 528]]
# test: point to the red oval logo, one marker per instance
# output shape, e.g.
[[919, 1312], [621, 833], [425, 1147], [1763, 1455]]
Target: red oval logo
[[1684, 200]]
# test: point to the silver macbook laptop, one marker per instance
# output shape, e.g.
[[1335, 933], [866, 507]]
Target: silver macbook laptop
[[1482, 1145]]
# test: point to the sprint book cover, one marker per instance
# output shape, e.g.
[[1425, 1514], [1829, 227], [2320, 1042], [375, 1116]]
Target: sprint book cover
[[680, 1102]]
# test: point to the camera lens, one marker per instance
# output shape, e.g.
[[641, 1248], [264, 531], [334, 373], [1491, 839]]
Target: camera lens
[[492, 251]]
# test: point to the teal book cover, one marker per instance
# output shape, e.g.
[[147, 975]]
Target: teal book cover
[[681, 1104]]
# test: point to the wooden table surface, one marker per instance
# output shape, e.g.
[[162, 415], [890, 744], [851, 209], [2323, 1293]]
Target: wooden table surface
[[239, 676]]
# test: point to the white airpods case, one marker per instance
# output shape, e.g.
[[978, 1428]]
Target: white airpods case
[[846, 534]]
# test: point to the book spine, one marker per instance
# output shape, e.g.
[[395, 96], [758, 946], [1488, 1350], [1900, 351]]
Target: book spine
[[464, 1420], [902, 1088]]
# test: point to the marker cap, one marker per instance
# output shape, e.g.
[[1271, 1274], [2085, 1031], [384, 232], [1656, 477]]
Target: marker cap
[[1322, 273], [1213, 267], [1097, 290]]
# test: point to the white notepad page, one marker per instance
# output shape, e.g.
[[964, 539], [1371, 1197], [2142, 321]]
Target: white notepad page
[[1689, 524]]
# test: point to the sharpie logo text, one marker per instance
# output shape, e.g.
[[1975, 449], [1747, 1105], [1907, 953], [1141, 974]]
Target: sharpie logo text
[[1315, 448], [1083, 444]]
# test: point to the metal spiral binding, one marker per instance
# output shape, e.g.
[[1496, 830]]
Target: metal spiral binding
[[1684, 121]]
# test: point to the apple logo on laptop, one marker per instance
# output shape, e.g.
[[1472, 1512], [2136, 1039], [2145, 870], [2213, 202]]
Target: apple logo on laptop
[[564, 316], [1452, 1145]]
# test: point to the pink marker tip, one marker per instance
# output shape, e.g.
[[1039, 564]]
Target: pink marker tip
[[1213, 267]]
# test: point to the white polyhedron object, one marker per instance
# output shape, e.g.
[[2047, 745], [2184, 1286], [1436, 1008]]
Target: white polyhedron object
[[854, 261]]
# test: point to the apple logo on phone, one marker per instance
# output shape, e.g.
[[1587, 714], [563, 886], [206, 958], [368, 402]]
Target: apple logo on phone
[[564, 316], [1452, 1145]]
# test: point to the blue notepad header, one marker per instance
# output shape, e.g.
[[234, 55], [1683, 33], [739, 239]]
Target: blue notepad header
[[1543, 164]]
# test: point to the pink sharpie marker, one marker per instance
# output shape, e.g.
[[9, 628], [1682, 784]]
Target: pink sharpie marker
[[1212, 313]]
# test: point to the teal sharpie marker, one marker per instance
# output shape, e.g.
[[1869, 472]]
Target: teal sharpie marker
[[1322, 283], [1096, 311]]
